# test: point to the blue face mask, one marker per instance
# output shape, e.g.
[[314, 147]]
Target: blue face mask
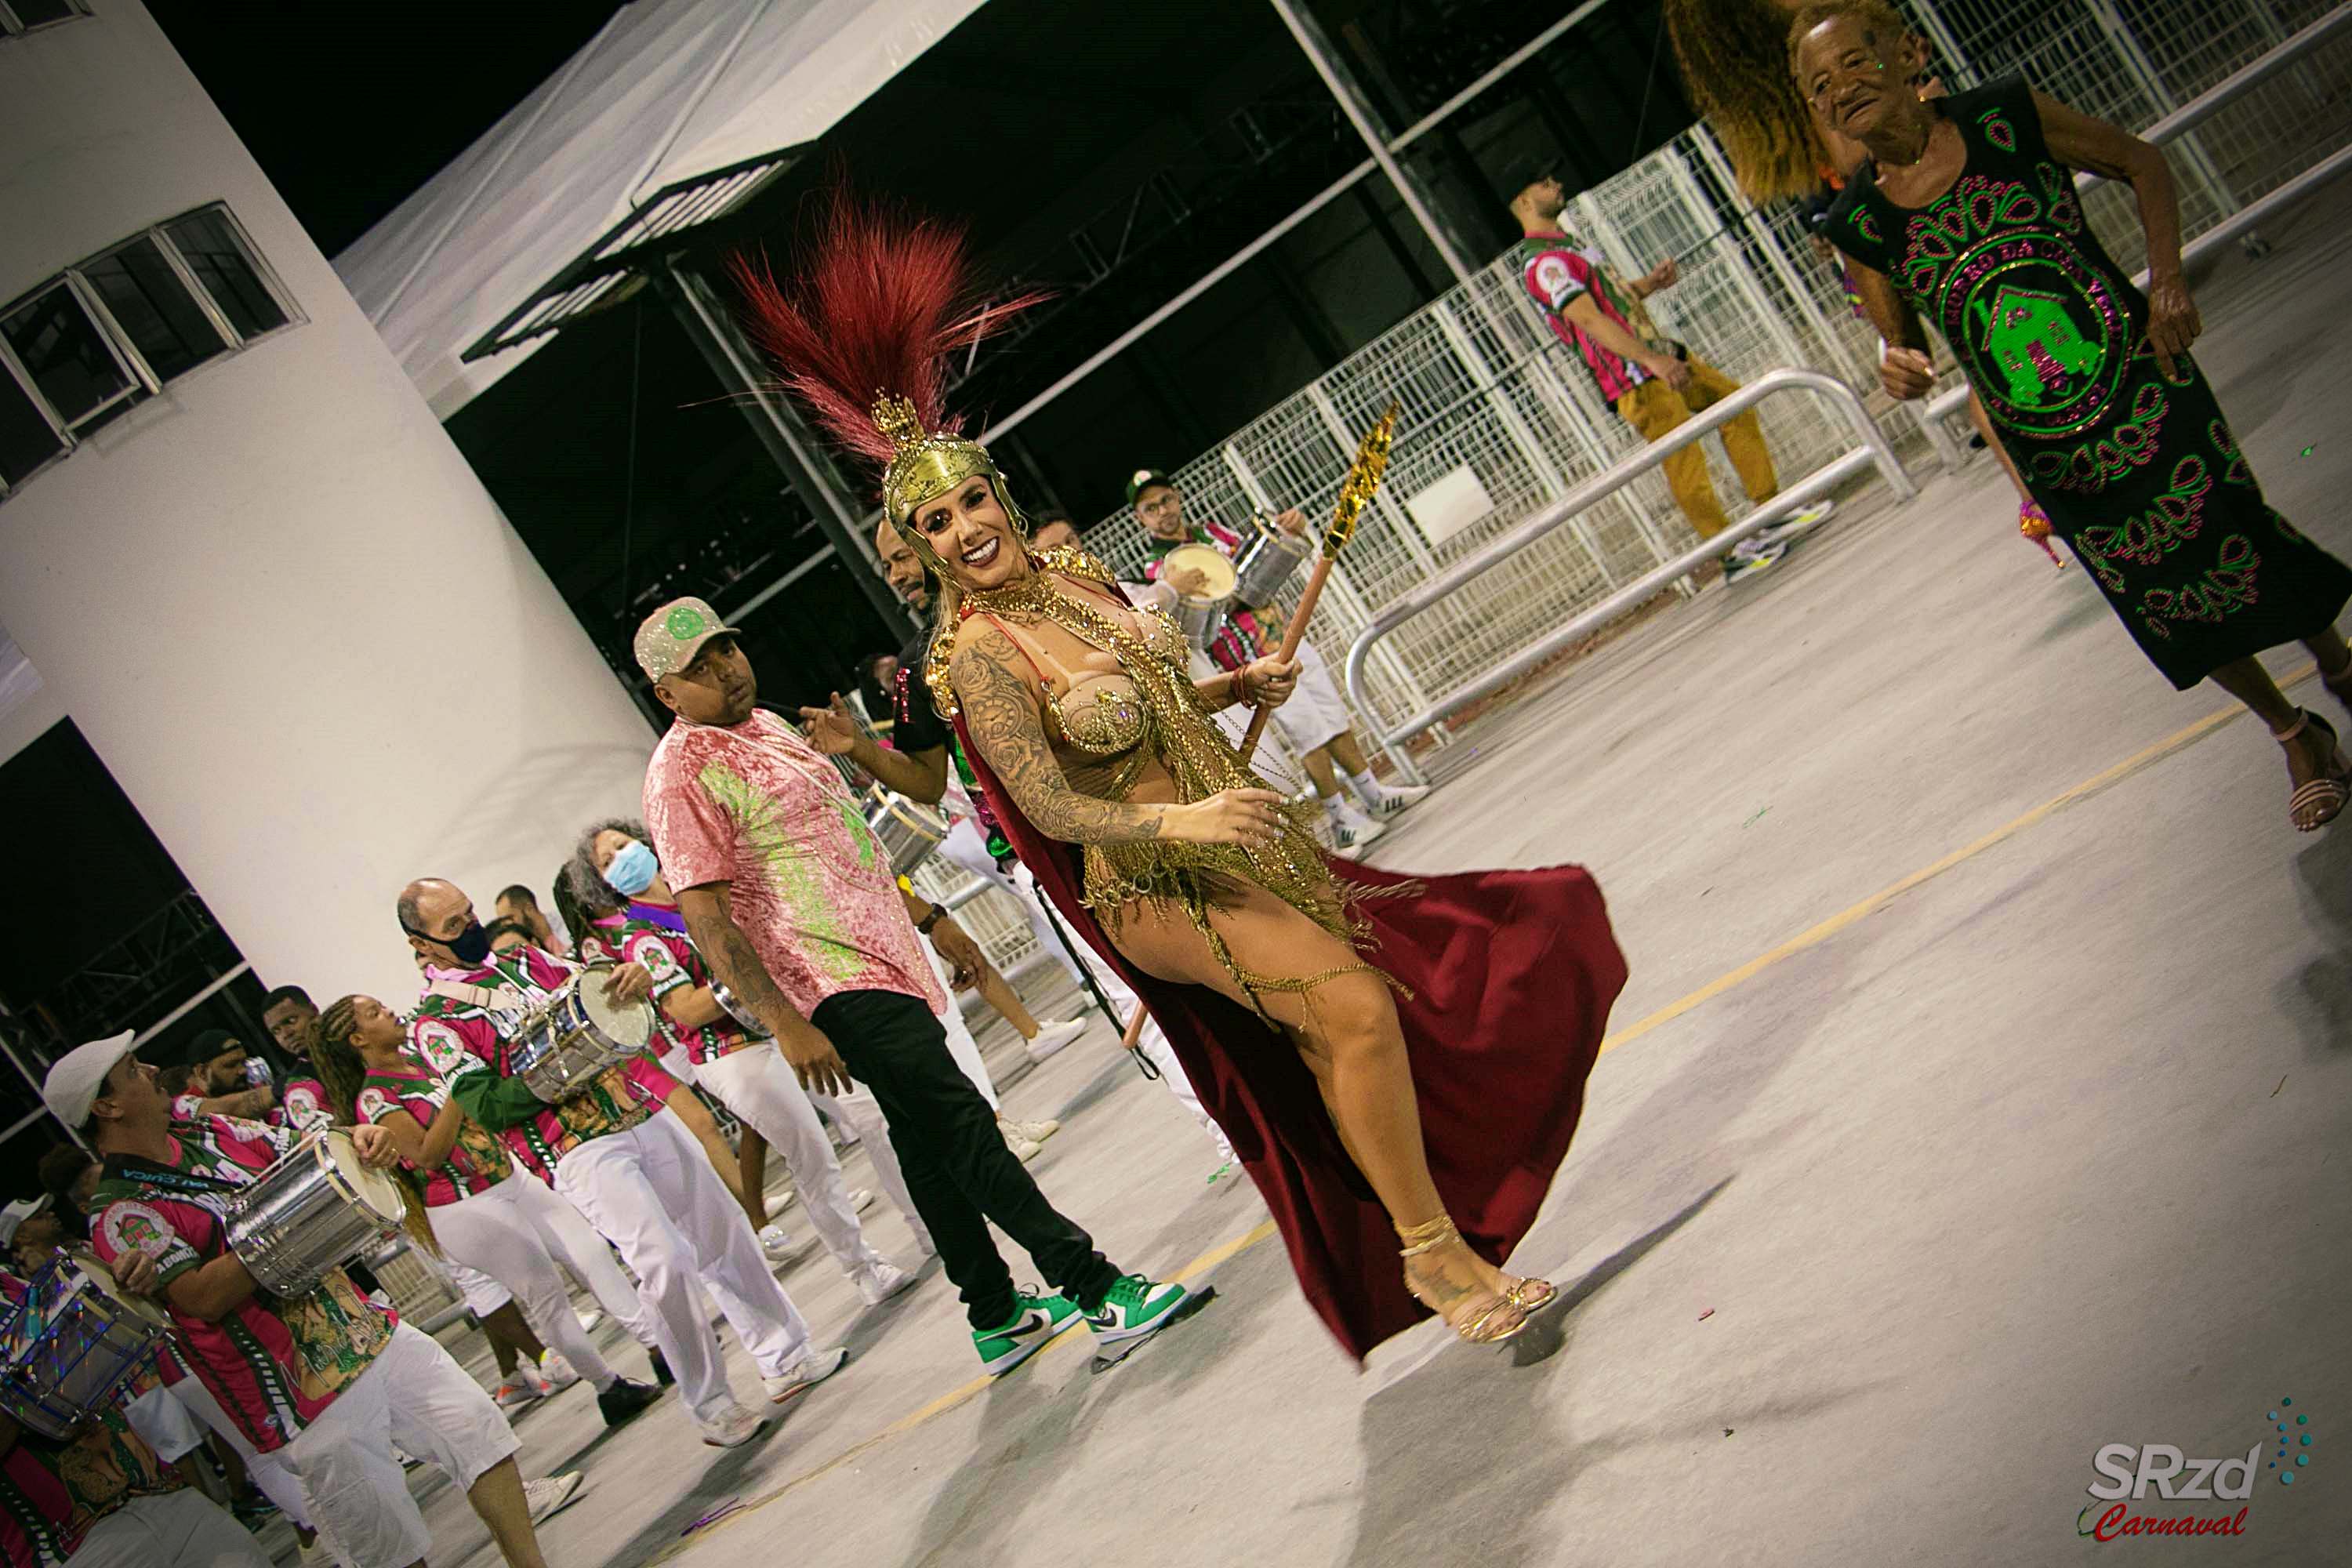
[[633, 870]]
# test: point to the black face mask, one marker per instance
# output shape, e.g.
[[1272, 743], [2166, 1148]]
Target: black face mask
[[471, 946]]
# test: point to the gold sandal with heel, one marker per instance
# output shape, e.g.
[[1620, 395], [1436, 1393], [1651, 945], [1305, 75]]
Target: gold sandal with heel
[[1488, 1322]]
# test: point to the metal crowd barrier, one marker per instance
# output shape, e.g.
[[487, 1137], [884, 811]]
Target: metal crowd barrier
[[1875, 451], [2197, 111]]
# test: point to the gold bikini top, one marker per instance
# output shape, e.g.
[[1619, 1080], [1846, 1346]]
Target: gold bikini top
[[1109, 718]]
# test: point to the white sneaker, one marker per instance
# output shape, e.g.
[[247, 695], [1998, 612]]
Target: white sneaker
[[552, 1496], [735, 1427], [1351, 831], [558, 1372], [1394, 798], [590, 1318], [774, 1240], [1798, 524], [1035, 1131], [1023, 1149], [861, 1200], [805, 1373], [1052, 1038], [877, 1283], [522, 1388]]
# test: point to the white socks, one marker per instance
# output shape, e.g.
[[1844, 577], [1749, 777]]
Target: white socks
[[1368, 788]]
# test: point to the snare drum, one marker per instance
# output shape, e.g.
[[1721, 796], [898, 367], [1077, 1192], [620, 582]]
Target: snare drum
[[1201, 614], [314, 1210], [906, 831], [72, 1343], [568, 1045]]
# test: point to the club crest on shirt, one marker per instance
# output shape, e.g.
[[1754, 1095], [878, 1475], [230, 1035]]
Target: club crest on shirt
[[443, 1050], [653, 954], [373, 1102], [1552, 275], [135, 1228]]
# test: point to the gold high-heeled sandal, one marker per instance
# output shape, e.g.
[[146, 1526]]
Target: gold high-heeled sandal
[[1482, 1323]]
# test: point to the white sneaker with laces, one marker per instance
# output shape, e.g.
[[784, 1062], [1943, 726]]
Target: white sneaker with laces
[[590, 1318], [877, 1283], [1394, 798], [557, 1372], [735, 1427], [861, 1200], [1351, 831], [805, 1373], [1023, 1149], [1035, 1131], [1052, 1038], [552, 1495]]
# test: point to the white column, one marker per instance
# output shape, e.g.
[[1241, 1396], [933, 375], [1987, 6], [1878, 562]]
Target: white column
[[275, 600]]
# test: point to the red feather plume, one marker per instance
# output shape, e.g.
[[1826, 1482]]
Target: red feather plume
[[875, 304]]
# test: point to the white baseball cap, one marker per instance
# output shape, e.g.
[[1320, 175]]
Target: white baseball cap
[[17, 1212], [79, 1075]]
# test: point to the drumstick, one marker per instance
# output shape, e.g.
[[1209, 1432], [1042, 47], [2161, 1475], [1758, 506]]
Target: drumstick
[[1355, 495]]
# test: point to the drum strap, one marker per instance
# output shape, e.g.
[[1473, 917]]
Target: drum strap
[[147, 1173], [504, 999]]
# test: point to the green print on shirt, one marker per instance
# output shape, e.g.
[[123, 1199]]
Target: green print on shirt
[[2037, 346], [798, 882]]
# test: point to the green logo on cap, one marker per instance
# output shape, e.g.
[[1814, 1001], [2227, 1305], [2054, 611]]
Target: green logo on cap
[[684, 622]]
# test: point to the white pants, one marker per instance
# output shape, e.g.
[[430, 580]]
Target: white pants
[[961, 1045], [417, 1398], [574, 1242], [760, 1087], [1316, 714], [492, 1232], [266, 1471], [164, 1425], [177, 1530], [966, 848], [654, 1194]]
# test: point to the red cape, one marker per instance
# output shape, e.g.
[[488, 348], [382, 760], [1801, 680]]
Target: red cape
[[1512, 975]]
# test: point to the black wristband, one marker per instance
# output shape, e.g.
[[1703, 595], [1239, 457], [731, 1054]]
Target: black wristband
[[939, 912]]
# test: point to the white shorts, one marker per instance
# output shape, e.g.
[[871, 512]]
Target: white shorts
[[413, 1396], [176, 1530], [1316, 714]]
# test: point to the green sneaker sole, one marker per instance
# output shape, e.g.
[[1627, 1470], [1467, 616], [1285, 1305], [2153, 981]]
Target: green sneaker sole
[[1003, 1350]]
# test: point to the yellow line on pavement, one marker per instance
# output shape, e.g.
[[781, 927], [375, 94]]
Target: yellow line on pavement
[[1811, 937], [2177, 741]]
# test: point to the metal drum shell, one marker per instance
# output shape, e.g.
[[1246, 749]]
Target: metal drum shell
[[1265, 562], [72, 1343], [1200, 617], [908, 831], [304, 1215], [567, 1049]]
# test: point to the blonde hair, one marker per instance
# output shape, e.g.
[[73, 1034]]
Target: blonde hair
[[1734, 55]]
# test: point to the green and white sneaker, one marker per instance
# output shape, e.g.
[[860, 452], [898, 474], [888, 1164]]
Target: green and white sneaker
[[1134, 1307], [1035, 1319]]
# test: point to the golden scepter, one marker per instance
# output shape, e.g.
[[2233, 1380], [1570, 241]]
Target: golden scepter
[[1355, 494]]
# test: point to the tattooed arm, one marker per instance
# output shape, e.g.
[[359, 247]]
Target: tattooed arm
[[710, 924], [1008, 730]]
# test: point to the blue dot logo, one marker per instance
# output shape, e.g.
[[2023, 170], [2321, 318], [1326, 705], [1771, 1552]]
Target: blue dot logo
[[2289, 1442]]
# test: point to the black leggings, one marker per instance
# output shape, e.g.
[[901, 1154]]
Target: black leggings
[[958, 1170]]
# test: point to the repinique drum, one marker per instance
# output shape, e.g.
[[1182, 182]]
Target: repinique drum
[[733, 1005], [316, 1208], [1200, 615], [1266, 560], [72, 1343], [579, 1033], [907, 830]]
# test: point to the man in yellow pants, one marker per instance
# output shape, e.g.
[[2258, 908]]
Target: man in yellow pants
[[1653, 384]]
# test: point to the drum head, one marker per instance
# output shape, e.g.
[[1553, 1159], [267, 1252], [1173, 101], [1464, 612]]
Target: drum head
[[374, 1191], [627, 1024], [921, 818], [1207, 560], [123, 1303]]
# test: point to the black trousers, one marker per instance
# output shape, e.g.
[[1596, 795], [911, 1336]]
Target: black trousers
[[958, 1170]]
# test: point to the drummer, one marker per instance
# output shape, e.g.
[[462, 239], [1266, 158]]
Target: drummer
[[292, 1019], [104, 1497], [327, 1381], [1315, 722], [745, 1070], [636, 1173]]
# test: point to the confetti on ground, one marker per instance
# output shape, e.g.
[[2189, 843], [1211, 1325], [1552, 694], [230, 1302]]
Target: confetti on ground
[[1703, 1317], [2282, 1084], [1759, 812], [714, 1516]]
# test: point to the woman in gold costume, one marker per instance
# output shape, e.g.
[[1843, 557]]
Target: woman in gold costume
[[1371, 1045]]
